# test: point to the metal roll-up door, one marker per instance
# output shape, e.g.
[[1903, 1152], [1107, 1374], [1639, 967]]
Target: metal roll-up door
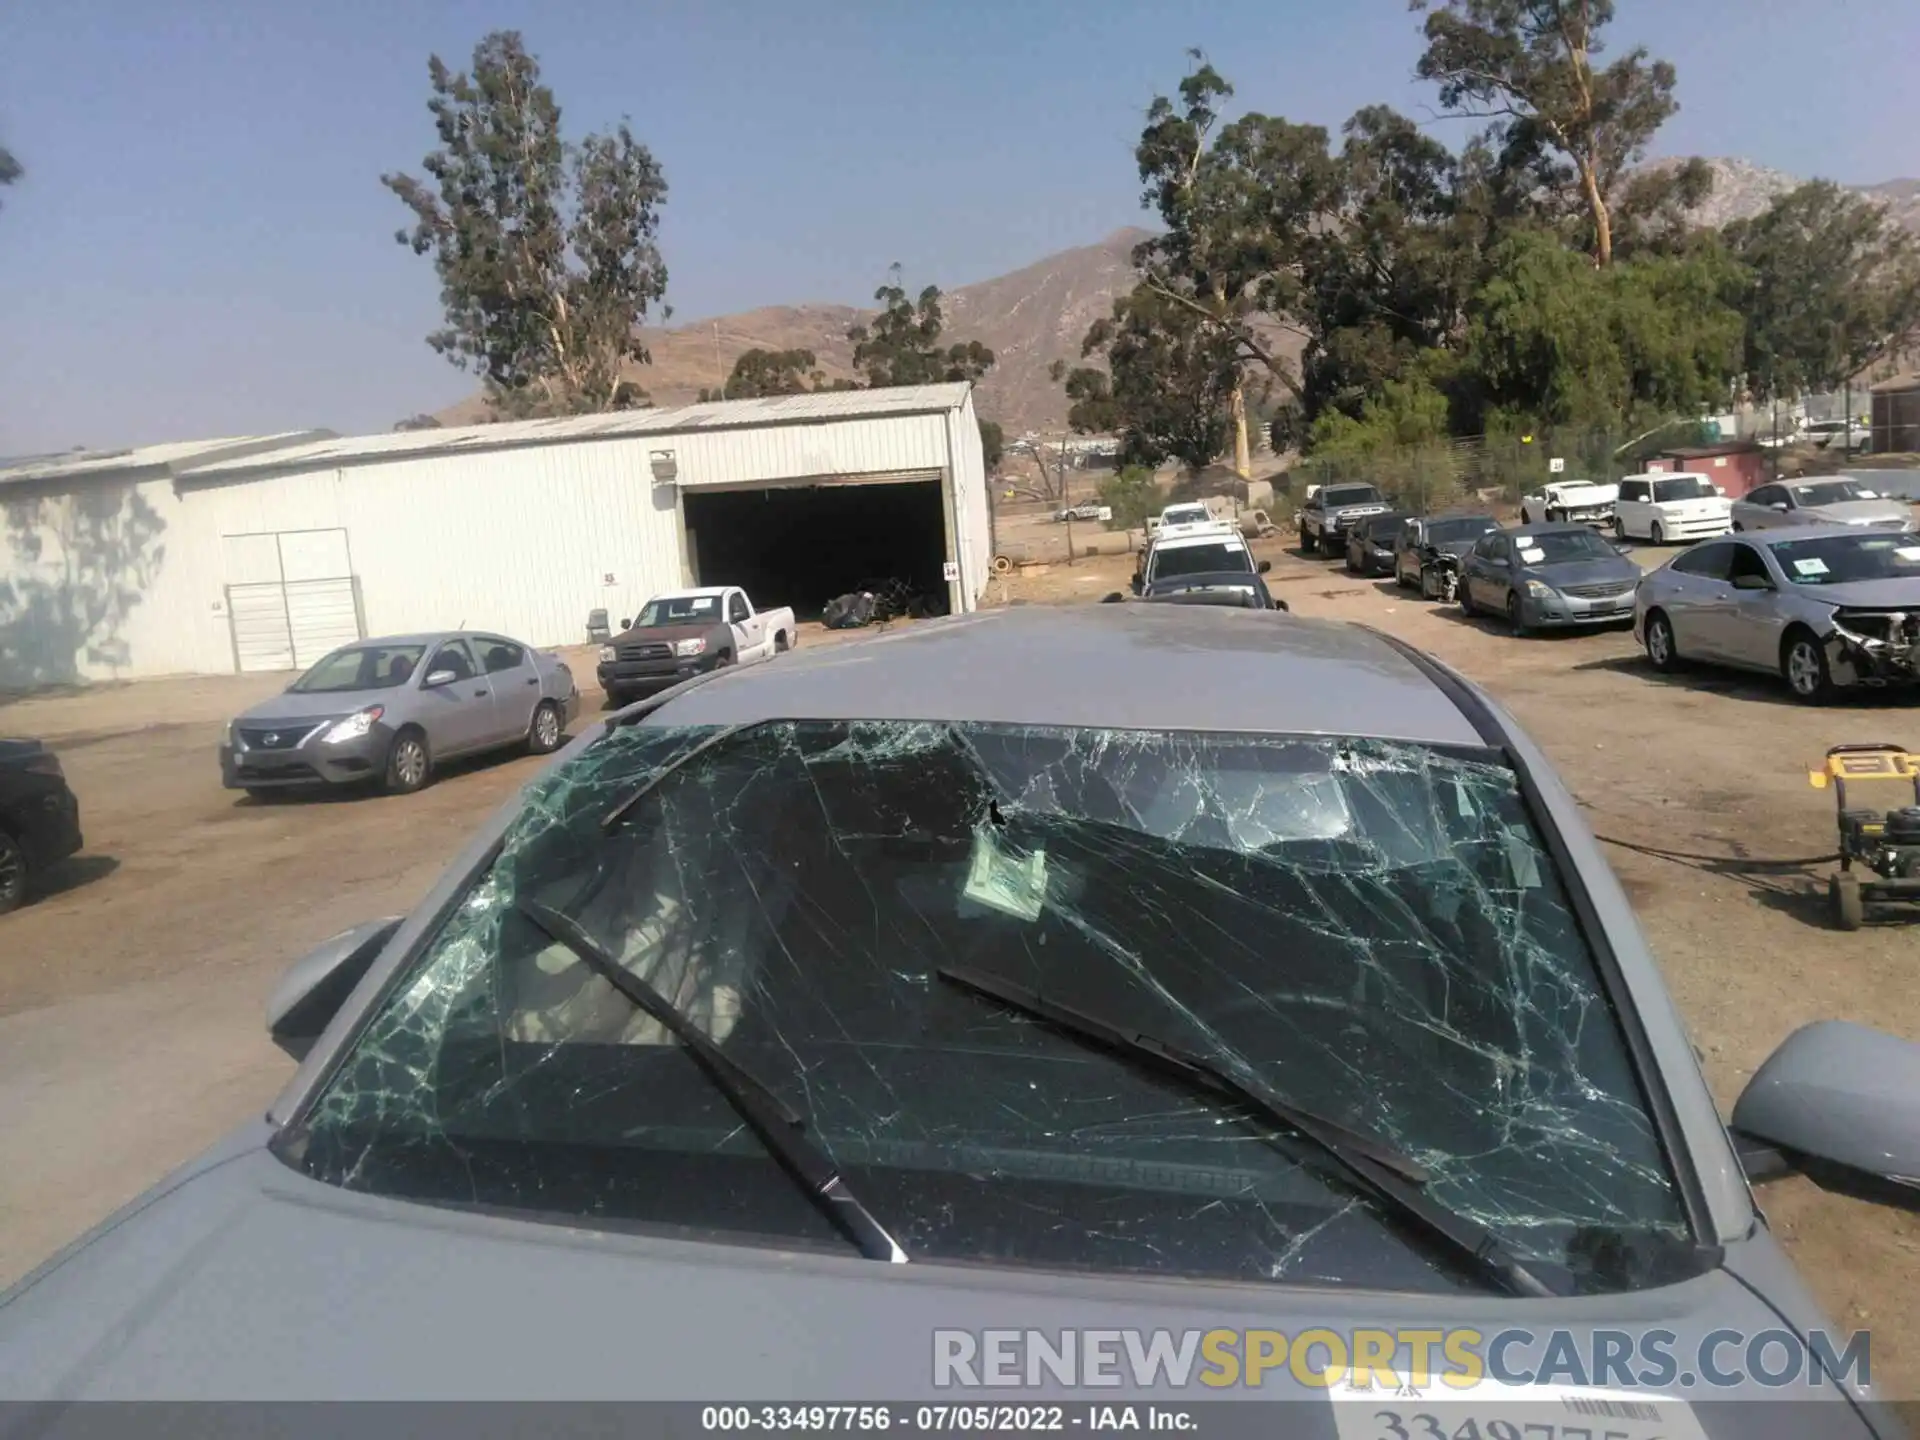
[[291, 598]]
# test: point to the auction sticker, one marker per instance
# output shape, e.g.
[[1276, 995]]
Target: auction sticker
[[1491, 1411], [1812, 565]]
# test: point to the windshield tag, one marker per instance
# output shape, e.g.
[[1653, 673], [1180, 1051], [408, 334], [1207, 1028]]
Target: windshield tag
[[1812, 565], [1533, 557], [1006, 882], [705, 602]]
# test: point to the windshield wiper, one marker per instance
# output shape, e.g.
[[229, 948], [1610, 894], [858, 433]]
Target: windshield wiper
[[779, 1126], [1378, 1170]]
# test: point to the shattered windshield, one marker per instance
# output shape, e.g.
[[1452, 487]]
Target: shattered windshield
[[1374, 930]]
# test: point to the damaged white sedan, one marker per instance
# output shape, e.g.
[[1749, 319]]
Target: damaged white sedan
[[1824, 607]]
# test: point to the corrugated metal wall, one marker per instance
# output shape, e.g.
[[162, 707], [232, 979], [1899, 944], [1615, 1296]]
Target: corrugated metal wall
[[518, 540]]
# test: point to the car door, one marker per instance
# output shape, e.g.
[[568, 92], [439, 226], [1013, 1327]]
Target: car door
[[746, 627], [510, 671], [1754, 510], [1698, 598], [1490, 570], [458, 714], [1755, 620], [1632, 508], [1406, 550]]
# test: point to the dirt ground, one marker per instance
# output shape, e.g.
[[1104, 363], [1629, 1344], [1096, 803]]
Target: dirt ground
[[131, 1001]]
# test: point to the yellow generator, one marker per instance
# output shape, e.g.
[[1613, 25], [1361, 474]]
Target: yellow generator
[[1883, 843]]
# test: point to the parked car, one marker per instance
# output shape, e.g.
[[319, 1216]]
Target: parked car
[[1232, 589], [1891, 484], [1370, 543], [1585, 501], [1834, 500], [689, 632], [765, 993], [1083, 512], [1669, 508], [39, 818], [1186, 513], [1549, 577], [1850, 435], [1428, 550], [389, 711], [1331, 509], [1173, 554], [1824, 608]]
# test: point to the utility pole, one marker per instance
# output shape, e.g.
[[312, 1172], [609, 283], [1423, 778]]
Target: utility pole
[[718, 369]]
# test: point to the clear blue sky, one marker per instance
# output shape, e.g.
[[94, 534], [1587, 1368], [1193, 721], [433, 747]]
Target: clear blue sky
[[201, 245]]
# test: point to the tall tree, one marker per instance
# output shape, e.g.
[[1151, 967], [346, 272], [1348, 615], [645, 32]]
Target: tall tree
[[545, 251], [1530, 66], [1169, 385], [417, 422], [901, 346], [993, 444], [1239, 209], [1833, 289], [759, 373]]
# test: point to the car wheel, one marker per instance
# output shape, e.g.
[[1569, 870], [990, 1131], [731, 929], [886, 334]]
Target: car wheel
[[723, 660], [1308, 545], [1352, 566], [1516, 614], [1803, 664], [1662, 653], [1843, 898], [780, 642], [13, 874], [1738, 527], [1465, 595], [263, 797], [409, 766], [1619, 530], [547, 730], [1657, 535], [1429, 586]]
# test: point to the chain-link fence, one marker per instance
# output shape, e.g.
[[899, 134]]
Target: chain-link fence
[[1493, 469]]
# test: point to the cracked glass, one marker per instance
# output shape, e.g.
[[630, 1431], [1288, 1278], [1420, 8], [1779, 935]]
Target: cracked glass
[[1374, 930]]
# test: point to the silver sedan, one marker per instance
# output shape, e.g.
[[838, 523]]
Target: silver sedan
[[1834, 500], [1824, 607], [387, 711]]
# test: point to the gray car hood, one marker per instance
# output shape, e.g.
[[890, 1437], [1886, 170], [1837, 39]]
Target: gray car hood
[[295, 706], [1586, 572], [245, 1280], [1900, 594], [1860, 512]]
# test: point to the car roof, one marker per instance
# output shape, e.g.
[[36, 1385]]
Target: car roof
[[1775, 533], [1211, 535], [1125, 667], [1552, 527], [421, 637], [697, 592]]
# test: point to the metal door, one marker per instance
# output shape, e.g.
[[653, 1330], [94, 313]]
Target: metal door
[[291, 598]]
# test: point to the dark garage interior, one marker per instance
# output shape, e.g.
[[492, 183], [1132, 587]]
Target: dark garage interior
[[801, 545]]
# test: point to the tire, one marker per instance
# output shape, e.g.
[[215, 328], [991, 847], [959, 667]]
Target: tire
[[1738, 527], [409, 764], [1465, 597], [723, 660], [1656, 535], [1400, 577], [1803, 665], [1308, 544], [1352, 569], [1843, 899], [1663, 651], [547, 730], [1516, 613], [13, 874], [1429, 585], [1619, 530], [780, 642], [263, 797]]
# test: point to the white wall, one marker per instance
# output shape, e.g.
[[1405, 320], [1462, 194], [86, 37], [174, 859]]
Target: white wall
[[123, 579]]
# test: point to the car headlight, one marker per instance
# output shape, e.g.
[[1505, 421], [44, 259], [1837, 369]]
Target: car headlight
[[233, 736], [354, 727], [1540, 590], [608, 654], [695, 646]]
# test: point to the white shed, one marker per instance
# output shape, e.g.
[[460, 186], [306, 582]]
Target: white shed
[[274, 558]]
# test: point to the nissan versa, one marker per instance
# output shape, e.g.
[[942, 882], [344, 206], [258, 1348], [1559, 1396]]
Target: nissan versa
[[1038, 971]]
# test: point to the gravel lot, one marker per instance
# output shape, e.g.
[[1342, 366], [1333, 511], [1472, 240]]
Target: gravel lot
[[131, 1001]]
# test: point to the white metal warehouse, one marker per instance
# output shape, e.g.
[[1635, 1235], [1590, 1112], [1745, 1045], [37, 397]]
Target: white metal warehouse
[[264, 560]]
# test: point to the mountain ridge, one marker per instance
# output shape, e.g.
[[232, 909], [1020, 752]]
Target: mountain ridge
[[1037, 314]]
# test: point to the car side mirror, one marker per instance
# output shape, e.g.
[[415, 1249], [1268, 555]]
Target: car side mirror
[[438, 678], [1115, 598], [1752, 582], [1280, 604], [1263, 567], [1779, 505], [626, 624], [1840, 1104], [314, 988], [1620, 547], [1719, 489]]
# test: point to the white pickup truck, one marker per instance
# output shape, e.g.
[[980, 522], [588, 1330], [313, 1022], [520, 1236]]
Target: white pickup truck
[[689, 632]]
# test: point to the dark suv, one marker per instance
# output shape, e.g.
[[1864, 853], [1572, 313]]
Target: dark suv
[[39, 818]]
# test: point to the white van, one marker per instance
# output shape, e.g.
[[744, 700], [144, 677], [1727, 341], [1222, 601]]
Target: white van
[[1665, 508]]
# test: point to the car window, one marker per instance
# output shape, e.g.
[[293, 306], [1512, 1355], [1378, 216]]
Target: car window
[[1444, 532], [678, 610], [1198, 560], [454, 656], [1841, 558], [1376, 929], [1746, 560], [1765, 495], [1633, 490], [1686, 487], [498, 655], [1351, 495], [1831, 492], [361, 667], [1557, 546], [1709, 562], [737, 608]]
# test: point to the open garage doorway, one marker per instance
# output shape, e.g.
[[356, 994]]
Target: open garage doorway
[[801, 545]]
